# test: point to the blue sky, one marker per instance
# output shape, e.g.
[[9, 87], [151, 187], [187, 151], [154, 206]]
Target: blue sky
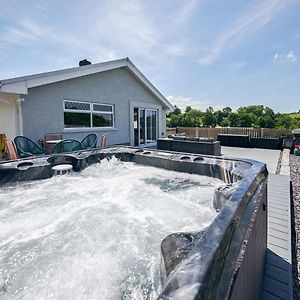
[[201, 53]]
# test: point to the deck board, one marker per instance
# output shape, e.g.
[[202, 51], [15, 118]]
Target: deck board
[[277, 282]]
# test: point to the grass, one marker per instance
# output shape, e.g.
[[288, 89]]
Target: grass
[[295, 115]]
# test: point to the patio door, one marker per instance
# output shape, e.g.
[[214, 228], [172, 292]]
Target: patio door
[[145, 126]]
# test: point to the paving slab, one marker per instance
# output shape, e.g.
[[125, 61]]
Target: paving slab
[[267, 156], [285, 162]]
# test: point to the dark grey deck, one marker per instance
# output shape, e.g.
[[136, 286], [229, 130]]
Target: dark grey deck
[[278, 282]]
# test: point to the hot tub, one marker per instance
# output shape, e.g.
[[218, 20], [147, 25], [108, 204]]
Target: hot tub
[[213, 238]]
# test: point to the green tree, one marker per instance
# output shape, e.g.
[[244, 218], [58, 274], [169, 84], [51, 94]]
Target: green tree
[[177, 110], [257, 110], [174, 120], [233, 119], [188, 108], [266, 122], [284, 121], [226, 111], [245, 120], [209, 118], [225, 122], [218, 116], [195, 116]]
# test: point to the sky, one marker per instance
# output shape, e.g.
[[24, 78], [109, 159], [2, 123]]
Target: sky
[[201, 53]]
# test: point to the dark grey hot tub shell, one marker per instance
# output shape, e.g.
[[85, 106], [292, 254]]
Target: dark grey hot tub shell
[[224, 261]]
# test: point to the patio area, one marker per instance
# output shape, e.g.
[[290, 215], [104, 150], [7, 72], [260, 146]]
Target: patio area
[[269, 157]]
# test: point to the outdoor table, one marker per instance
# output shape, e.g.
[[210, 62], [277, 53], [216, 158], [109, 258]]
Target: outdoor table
[[50, 145], [53, 141], [234, 140]]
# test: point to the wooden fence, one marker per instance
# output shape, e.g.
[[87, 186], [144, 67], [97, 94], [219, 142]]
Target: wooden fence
[[213, 132]]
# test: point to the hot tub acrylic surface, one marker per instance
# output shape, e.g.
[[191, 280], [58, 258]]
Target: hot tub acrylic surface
[[197, 264]]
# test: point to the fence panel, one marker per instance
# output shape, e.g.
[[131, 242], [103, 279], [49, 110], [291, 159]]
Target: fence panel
[[171, 131], [213, 132]]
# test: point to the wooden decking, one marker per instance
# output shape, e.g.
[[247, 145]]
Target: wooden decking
[[278, 282]]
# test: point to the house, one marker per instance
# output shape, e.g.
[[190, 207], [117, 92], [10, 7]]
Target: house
[[112, 97]]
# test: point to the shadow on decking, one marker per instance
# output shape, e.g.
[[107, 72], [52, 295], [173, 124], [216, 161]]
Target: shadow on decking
[[277, 279], [296, 283]]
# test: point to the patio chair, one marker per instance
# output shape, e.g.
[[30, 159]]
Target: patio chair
[[26, 147], [67, 146], [103, 141], [2, 144], [90, 141], [11, 149]]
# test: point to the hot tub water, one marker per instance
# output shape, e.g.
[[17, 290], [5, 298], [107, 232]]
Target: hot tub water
[[96, 234]]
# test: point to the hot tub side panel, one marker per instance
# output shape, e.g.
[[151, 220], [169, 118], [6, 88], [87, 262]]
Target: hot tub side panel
[[248, 278]]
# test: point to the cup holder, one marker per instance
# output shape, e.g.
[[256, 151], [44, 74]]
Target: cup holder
[[139, 151], [199, 158], [185, 158], [24, 165]]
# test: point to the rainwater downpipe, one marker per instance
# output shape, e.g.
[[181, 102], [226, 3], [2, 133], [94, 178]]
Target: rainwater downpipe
[[20, 115]]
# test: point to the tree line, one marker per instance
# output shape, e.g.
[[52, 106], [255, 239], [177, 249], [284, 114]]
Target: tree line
[[256, 116]]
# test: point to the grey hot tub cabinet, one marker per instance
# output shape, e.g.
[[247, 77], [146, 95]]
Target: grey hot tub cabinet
[[226, 259], [181, 144]]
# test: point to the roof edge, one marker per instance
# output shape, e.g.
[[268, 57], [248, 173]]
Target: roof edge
[[20, 85]]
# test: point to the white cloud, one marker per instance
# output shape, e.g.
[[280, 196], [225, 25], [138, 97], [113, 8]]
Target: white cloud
[[182, 102], [25, 32], [289, 57], [253, 19], [186, 11], [112, 29]]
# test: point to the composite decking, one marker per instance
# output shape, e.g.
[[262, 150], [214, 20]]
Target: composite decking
[[277, 283]]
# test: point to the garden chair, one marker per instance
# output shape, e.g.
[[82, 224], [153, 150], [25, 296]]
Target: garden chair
[[2, 144], [67, 146], [26, 147], [11, 149], [90, 141], [103, 141]]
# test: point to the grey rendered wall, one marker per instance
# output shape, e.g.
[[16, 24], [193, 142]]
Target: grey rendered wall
[[43, 106]]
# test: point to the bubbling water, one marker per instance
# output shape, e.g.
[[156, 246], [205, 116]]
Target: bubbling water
[[96, 234]]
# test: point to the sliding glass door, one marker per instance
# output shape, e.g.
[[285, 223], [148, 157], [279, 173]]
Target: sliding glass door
[[151, 121], [145, 126]]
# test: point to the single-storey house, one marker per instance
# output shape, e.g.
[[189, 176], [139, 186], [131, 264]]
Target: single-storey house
[[112, 98]]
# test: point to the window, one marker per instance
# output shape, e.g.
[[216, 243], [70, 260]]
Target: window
[[103, 115], [79, 114]]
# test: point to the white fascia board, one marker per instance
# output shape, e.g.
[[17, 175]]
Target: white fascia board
[[19, 87]]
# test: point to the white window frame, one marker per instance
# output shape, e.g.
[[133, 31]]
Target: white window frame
[[90, 111]]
